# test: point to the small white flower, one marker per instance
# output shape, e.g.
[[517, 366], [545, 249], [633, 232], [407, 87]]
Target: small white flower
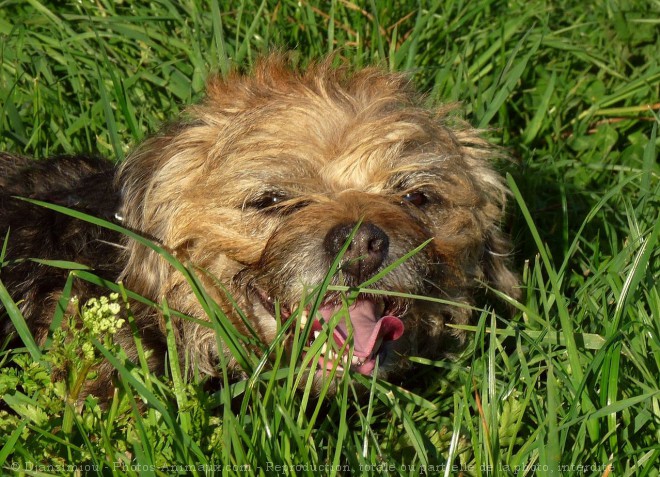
[[101, 315]]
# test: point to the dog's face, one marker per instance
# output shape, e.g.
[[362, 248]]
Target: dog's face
[[277, 172]]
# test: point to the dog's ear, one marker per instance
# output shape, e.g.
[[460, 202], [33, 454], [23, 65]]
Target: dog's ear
[[152, 182]]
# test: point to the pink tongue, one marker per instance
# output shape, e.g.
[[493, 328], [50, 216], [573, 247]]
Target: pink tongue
[[369, 331]]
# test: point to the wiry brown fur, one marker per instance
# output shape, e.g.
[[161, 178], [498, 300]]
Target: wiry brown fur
[[336, 148]]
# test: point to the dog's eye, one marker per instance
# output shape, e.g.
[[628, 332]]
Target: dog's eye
[[416, 198], [265, 201], [276, 203]]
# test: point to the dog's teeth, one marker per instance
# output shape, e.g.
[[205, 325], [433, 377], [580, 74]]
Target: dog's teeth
[[357, 361], [303, 319], [316, 334], [324, 349]]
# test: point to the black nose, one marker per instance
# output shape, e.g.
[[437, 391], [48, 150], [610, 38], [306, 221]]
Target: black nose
[[365, 253]]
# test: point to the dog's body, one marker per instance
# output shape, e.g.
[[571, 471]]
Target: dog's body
[[261, 186], [83, 183]]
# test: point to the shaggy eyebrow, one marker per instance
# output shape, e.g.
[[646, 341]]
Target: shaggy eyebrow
[[411, 177]]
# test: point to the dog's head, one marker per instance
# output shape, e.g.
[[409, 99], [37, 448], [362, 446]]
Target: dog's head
[[277, 172]]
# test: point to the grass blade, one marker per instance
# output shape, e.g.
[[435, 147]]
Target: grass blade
[[20, 325]]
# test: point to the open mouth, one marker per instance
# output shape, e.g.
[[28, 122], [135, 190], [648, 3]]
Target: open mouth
[[374, 322]]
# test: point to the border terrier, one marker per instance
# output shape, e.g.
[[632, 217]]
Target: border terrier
[[262, 185]]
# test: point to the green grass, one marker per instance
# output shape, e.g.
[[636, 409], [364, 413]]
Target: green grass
[[570, 89]]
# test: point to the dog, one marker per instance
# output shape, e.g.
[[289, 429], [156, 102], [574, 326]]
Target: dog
[[262, 185]]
